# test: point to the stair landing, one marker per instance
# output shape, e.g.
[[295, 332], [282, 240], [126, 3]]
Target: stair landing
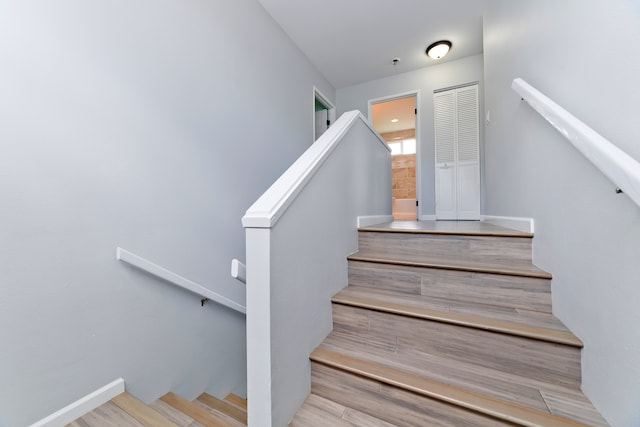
[[470, 228]]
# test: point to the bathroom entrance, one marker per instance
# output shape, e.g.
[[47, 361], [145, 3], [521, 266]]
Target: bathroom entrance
[[395, 120]]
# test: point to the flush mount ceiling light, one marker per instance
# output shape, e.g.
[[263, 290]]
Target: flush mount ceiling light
[[439, 49], [394, 120]]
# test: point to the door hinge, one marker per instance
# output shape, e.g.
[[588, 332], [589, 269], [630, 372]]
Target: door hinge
[[416, 203], [415, 111], [328, 123]]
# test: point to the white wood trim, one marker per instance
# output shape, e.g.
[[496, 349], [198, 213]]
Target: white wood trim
[[326, 101], [266, 211], [82, 406], [367, 220], [418, 132], [518, 223], [392, 98], [419, 154], [259, 375], [169, 276], [622, 169]]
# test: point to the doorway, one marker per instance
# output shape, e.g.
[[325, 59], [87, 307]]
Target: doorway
[[323, 114], [395, 119]]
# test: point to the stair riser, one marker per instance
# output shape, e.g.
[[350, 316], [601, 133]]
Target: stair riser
[[494, 249], [539, 360], [526, 293], [389, 403]]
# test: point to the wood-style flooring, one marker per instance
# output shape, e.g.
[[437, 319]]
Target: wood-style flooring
[[170, 410], [448, 227], [447, 324]]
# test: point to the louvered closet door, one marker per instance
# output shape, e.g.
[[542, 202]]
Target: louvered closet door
[[457, 153], [445, 136]]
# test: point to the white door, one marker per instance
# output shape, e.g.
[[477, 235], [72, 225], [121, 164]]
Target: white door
[[457, 144]]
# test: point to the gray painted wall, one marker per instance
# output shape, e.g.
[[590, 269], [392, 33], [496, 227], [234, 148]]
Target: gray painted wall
[[151, 125], [426, 80], [583, 55]]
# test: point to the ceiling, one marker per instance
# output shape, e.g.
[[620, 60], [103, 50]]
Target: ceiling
[[402, 110], [354, 41]]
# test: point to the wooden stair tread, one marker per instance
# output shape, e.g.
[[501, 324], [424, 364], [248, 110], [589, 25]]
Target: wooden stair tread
[[316, 411], [498, 312], [471, 400], [499, 382], [197, 413], [468, 320], [141, 411], [221, 415], [107, 414], [460, 228], [514, 269], [224, 407], [234, 399], [173, 414]]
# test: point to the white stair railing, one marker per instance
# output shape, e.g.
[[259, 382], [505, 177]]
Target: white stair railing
[[622, 169], [298, 234], [171, 277]]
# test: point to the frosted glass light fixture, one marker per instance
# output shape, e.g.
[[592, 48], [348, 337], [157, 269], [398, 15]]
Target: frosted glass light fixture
[[439, 49]]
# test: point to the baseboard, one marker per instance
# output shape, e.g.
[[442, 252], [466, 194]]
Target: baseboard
[[367, 220], [82, 406], [427, 217], [518, 223]]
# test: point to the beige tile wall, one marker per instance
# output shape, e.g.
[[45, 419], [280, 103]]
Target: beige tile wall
[[403, 169]]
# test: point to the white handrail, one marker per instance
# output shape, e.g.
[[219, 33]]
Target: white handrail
[[622, 169], [266, 211], [238, 271], [169, 276]]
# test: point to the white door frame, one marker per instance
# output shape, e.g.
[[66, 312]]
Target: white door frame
[[415, 93], [332, 110]]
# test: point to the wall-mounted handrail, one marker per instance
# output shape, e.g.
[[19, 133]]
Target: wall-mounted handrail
[[169, 276], [238, 271], [622, 169]]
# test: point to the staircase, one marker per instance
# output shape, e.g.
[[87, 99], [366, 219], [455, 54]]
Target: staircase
[[446, 324], [169, 411]]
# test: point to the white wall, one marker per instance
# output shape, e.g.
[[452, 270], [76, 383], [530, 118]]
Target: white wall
[[583, 55], [425, 80], [295, 267], [150, 125]]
